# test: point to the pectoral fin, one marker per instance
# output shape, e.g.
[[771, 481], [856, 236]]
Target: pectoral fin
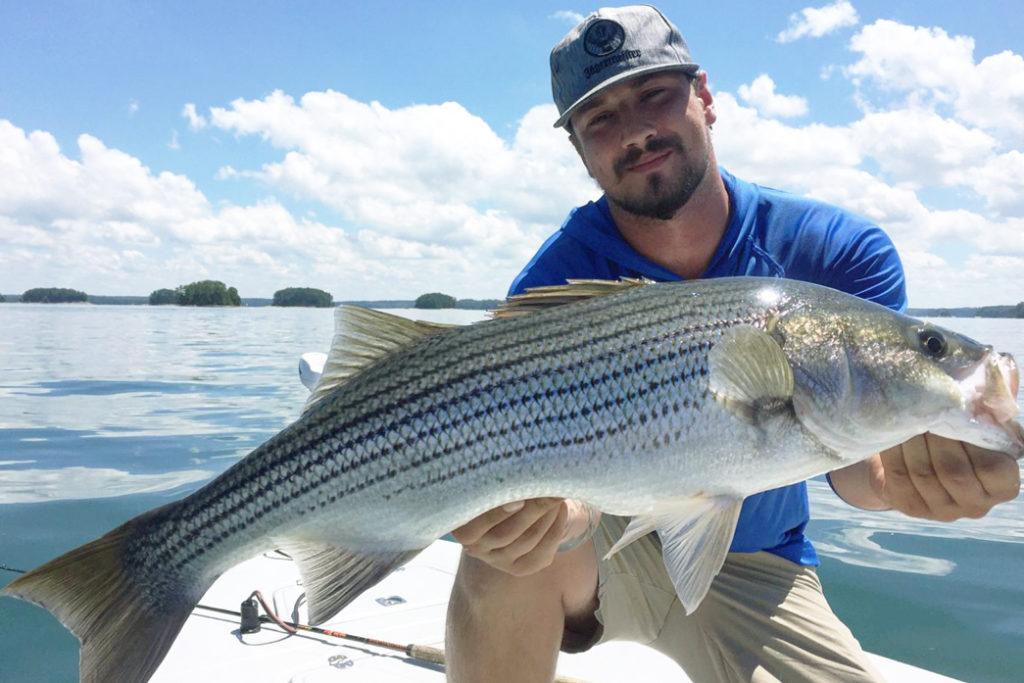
[[695, 538], [750, 376]]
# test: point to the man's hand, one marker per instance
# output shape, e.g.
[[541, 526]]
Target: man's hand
[[522, 538], [931, 477]]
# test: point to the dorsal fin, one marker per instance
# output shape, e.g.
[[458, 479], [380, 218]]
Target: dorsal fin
[[363, 336], [541, 298]]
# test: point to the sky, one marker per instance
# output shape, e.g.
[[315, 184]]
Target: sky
[[381, 150]]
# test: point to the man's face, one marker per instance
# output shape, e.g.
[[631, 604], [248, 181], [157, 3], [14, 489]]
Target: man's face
[[646, 142]]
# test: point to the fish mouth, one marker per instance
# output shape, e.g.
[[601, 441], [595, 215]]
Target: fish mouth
[[990, 392]]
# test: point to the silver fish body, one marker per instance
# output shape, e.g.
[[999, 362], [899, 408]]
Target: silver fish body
[[670, 403]]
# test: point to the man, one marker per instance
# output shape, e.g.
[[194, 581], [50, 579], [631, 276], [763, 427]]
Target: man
[[639, 114]]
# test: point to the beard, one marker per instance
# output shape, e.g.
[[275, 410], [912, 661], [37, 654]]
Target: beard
[[663, 196]]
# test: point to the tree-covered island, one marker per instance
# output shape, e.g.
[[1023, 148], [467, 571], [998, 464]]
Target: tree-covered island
[[434, 300], [53, 295], [439, 300], [202, 293], [303, 296]]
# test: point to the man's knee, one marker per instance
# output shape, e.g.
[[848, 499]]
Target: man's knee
[[478, 580], [493, 617], [568, 585]]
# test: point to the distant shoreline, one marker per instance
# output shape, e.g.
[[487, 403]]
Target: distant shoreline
[[1010, 311], [1004, 311], [258, 302]]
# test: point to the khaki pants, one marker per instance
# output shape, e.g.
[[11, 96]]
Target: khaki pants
[[764, 619]]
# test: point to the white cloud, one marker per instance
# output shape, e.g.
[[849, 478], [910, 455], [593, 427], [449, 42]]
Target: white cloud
[[761, 95], [227, 173], [981, 279], [195, 120], [107, 219], [42, 187], [772, 152], [421, 197], [928, 67], [992, 97], [917, 60], [918, 147], [818, 21], [1001, 183], [568, 16], [433, 173]]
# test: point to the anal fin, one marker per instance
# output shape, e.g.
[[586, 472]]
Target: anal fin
[[695, 537], [334, 576]]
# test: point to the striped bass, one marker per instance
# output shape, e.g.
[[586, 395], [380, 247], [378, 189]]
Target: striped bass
[[669, 403]]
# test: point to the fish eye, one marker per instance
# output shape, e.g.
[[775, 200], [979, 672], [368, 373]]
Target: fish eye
[[933, 342]]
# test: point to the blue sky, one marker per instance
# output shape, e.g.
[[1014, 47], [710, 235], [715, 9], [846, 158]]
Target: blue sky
[[386, 149]]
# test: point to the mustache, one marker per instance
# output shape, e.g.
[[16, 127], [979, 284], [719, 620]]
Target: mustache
[[653, 145]]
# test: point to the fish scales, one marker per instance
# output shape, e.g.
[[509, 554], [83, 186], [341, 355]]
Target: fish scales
[[528, 376], [668, 402], [456, 372], [367, 411]]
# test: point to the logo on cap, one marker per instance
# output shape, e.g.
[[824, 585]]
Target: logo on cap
[[603, 38]]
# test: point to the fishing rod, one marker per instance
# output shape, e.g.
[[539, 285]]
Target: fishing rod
[[250, 620], [422, 652]]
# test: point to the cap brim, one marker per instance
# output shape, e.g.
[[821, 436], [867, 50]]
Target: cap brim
[[614, 80]]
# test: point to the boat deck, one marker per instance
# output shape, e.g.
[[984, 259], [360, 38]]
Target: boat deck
[[407, 608]]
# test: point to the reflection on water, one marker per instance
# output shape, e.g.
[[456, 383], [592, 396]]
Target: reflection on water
[[856, 546], [66, 483], [1001, 525], [106, 400], [99, 401]]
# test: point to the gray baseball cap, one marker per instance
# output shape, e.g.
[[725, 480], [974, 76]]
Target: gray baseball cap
[[609, 46]]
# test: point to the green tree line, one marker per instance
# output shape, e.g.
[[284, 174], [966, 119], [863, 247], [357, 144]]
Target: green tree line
[[1004, 311]]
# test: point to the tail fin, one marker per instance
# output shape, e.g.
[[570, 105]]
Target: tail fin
[[124, 635]]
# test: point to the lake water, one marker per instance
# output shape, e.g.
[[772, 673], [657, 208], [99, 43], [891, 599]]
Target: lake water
[[107, 411]]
